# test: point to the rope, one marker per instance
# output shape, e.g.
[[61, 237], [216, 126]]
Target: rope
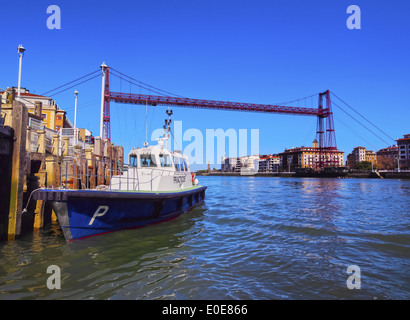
[[28, 201]]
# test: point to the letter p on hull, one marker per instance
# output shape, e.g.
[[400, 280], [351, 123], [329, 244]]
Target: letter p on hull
[[101, 210]]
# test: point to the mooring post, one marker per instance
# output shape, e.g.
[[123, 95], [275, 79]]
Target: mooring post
[[53, 171], [88, 167], [66, 144], [19, 124], [39, 215], [55, 150], [41, 144], [28, 139], [42, 175], [77, 167]]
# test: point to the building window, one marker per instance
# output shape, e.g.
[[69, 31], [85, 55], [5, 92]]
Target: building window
[[58, 128], [58, 117], [44, 116]]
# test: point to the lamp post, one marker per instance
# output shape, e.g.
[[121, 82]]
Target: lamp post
[[103, 69], [20, 50], [75, 118]]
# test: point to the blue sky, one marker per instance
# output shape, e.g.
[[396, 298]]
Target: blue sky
[[246, 51]]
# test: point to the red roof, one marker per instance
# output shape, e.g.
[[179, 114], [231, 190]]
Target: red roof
[[27, 94], [389, 148]]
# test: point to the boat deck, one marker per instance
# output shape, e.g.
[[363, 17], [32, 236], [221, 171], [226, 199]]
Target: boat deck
[[63, 194]]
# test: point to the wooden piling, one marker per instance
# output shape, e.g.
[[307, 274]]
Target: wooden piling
[[6, 153], [66, 143], [19, 124], [39, 214], [41, 146]]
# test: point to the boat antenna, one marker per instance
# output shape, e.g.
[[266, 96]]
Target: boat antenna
[[167, 123]]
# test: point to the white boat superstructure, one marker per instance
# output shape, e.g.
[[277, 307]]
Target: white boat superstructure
[[155, 168]]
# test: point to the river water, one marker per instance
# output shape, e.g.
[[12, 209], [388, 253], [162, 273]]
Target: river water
[[254, 238]]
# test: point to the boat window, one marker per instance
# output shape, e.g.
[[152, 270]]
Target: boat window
[[185, 165], [148, 160], [165, 160], [133, 160], [177, 163]]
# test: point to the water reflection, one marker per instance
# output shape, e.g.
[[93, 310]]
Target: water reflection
[[91, 265], [254, 238]]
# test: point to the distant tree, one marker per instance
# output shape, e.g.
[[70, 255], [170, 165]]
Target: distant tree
[[386, 163], [364, 165]]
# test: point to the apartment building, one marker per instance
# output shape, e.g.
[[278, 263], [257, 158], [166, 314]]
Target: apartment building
[[310, 157], [387, 158], [360, 154], [54, 117], [403, 145], [269, 163]]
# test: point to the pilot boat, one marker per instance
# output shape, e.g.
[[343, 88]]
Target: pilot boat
[[157, 185]]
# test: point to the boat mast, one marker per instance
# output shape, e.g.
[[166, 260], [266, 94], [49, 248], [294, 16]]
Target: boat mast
[[146, 126], [167, 128]]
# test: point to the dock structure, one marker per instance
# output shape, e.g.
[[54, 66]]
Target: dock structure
[[33, 156]]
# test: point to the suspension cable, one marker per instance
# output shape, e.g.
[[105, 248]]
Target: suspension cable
[[334, 103], [69, 83], [363, 117], [145, 84], [138, 85], [297, 100], [54, 94]]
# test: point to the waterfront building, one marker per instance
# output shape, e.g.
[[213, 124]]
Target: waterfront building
[[389, 152], [403, 145], [269, 163], [236, 164], [53, 116], [310, 157], [360, 154], [230, 164], [371, 156], [387, 158]]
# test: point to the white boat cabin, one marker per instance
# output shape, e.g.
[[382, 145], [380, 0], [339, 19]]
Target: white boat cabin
[[159, 158], [154, 168]]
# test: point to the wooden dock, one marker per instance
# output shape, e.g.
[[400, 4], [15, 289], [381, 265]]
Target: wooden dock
[[31, 159]]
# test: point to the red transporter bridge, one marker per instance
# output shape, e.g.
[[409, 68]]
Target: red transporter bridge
[[325, 133]]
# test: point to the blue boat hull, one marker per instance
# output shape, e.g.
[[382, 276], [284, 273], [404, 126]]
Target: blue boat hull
[[84, 214]]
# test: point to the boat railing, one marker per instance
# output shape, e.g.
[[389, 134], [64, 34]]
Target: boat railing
[[80, 173]]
